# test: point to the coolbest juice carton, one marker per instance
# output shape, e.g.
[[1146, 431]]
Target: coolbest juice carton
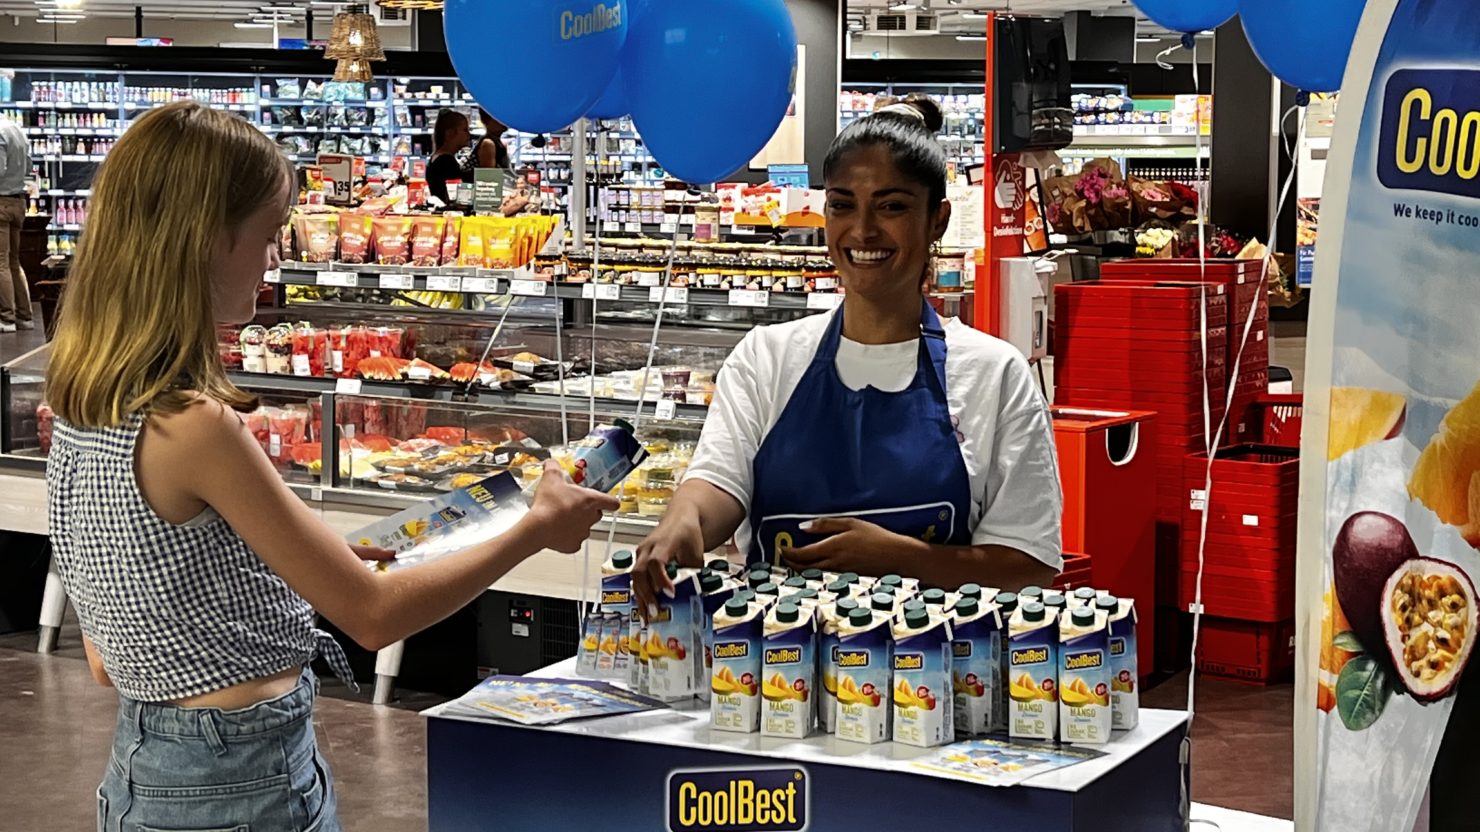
[[923, 713], [714, 589], [976, 667], [611, 634], [675, 640], [606, 456], [616, 597], [638, 669], [1125, 700], [863, 658], [1033, 671], [590, 642], [789, 672], [1007, 604], [1084, 676], [830, 617], [735, 682]]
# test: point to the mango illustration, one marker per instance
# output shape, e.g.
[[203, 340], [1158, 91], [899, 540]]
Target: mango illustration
[[1360, 417]]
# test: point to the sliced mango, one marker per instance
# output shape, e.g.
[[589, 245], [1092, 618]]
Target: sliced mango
[[1360, 417]]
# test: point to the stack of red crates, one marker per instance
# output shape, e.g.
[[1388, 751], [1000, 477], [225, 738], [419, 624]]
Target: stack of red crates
[[1139, 346], [1077, 572], [1248, 585], [1248, 296]]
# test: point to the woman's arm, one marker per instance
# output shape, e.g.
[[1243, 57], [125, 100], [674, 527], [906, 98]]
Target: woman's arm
[[700, 518], [95, 663], [488, 153], [210, 456]]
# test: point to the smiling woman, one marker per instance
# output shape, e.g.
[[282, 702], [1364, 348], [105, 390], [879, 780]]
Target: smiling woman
[[876, 439]]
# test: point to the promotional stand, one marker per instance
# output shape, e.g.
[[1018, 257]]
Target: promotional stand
[[630, 773]]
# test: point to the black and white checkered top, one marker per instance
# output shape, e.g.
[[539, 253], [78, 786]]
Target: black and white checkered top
[[174, 610]]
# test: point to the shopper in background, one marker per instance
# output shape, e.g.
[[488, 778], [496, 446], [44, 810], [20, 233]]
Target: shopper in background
[[194, 571], [451, 135], [15, 166], [490, 151], [875, 439]]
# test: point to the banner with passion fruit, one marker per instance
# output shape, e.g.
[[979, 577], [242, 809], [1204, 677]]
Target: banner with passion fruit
[[1390, 488]]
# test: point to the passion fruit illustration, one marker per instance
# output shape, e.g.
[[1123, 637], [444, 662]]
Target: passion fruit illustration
[[1368, 550], [1427, 617]]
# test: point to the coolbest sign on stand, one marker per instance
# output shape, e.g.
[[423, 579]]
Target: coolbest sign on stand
[[1390, 490]]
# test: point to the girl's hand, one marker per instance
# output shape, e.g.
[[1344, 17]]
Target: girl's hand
[[563, 513]]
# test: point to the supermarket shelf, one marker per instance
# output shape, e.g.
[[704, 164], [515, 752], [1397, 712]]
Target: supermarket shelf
[[312, 102], [52, 157], [55, 192], [73, 131], [62, 105], [1078, 151], [1134, 140], [402, 278], [347, 131], [70, 227]]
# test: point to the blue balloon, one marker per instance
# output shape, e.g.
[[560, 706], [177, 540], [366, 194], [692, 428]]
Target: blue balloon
[[1190, 15], [536, 65], [613, 103], [1306, 43], [709, 81]]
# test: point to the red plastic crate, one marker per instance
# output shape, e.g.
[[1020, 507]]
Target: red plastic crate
[[1246, 651], [1248, 598], [1077, 572], [1279, 417]]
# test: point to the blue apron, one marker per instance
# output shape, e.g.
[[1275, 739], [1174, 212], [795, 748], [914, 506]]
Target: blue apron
[[891, 459]]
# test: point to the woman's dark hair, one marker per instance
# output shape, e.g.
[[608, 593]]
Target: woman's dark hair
[[909, 137], [446, 121]]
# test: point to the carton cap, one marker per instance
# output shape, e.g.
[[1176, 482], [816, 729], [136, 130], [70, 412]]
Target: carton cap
[[1054, 599], [838, 587], [1034, 611], [885, 589], [966, 607], [935, 596], [757, 578], [1033, 592], [850, 577], [891, 580], [804, 592], [624, 425], [1083, 617], [970, 591], [788, 613], [622, 559], [882, 602], [719, 565], [1008, 601], [860, 617], [709, 580], [1084, 593], [846, 606], [746, 595], [1108, 603], [672, 569], [737, 606], [795, 582], [767, 588], [812, 574], [917, 618], [912, 605]]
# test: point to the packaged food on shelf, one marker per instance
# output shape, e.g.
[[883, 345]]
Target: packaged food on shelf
[[356, 231], [976, 662], [393, 240], [317, 237], [426, 240]]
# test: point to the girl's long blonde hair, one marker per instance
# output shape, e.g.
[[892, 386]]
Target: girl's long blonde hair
[[137, 329]]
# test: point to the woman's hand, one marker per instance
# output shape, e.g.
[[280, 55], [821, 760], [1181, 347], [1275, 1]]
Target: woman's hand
[[563, 513], [679, 537], [854, 546]]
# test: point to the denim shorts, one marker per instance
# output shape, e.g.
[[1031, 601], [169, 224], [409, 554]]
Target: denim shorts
[[257, 769]]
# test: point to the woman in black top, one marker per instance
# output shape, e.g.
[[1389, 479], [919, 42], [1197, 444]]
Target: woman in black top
[[490, 151], [451, 134]]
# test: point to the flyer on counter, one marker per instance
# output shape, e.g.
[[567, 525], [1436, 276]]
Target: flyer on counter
[[547, 701], [448, 524], [995, 762]]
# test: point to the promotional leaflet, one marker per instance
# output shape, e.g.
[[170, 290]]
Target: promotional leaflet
[[994, 762], [546, 701], [448, 524], [1390, 489]]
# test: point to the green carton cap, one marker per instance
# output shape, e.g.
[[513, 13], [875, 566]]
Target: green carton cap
[[788, 613], [736, 606], [622, 559], [1034, 611], [860, 617], [966, 607]]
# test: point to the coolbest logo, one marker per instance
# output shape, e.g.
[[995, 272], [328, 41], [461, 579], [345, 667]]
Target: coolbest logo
[[616, 597], [1117, 647], [601, 18], [1430, 138], [784, 655], [1030, 655], [731, 650], [961, 649], [1083, 661], [909, 661], [750, 800], [852, 658]]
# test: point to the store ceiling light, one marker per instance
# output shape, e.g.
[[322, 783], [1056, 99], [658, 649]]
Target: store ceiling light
[[354, 36], [902, 6], [247, 24], [971, 37], [415, 5], [353, 69]]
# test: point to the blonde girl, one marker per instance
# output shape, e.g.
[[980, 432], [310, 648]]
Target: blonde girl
[[194, 571]]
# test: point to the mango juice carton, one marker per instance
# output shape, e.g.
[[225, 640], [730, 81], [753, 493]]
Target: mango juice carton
[[606, 655], [1125, 700], [735, 683], [1084, 676], [830, 617], [863, 660], [976, 667], [923, 713], [675, 640], [715, 589], [789, 672], [638, 669], [616, 597], [1033, 671], [1007, 604], [590, 642]]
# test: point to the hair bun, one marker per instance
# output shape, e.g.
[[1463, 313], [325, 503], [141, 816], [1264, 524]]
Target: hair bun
[[928, 109]]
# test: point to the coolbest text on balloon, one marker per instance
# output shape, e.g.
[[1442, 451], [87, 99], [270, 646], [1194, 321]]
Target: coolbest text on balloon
[[601, 18], [1430, 139], [764, 800]]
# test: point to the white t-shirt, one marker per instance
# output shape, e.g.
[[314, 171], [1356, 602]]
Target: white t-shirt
[[1002, 422]]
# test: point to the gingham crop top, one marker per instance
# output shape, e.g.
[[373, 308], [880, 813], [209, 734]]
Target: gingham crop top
[[174, 610]]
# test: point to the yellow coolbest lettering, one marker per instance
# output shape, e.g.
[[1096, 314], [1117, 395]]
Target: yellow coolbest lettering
[[1441, 144], [1420, 97], [1469, 146]]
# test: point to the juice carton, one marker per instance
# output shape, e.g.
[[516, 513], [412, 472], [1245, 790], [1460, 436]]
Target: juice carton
[[864, 673], [606, 654], [739, 636], [830, 618], [1007, 604], [616, 597], [726, 568], [1055, 600], [1084, 676], [1083, 597], [789, 672], [1033, 670], [714, 589], [923, 713], [976, 667], [675, 640], [606, 456], [1125, 701], [638, 668], [590, 642]]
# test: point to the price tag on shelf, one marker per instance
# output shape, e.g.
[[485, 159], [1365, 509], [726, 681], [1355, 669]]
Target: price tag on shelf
[[347, 280], [669, 228], [676, 295], [758, 299], [397, 281], [529, 288], [274, 276], [632, 227], [415, 373], [444, 283], [824, 301], [347, 387], [601, 291], [480, 285], [665, 410]]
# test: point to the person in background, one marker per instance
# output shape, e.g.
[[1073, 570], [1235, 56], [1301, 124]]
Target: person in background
[[490, 151], [876, 439], [194, 571], [15, 166], [451, 135]]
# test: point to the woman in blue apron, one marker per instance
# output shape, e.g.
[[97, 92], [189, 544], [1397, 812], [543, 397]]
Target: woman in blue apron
[[876, 439]]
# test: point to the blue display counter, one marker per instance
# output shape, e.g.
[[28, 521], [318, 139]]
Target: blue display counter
[[667, 770]]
